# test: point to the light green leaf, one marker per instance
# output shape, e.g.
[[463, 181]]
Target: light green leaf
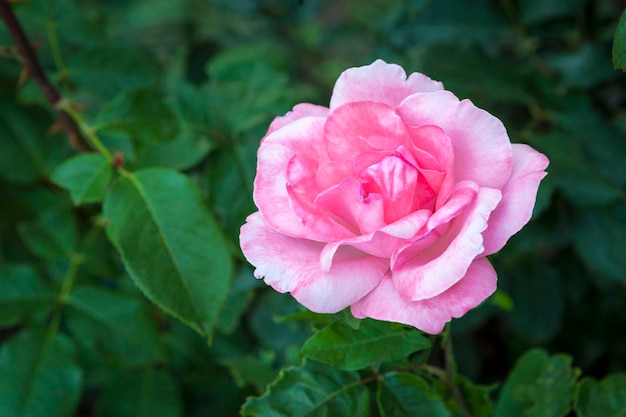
[[141, 113], [20, 292], [39, 379], [149, 393], [53, 235], [170, 244], [114, 325], [312, 390], [84, 176], [538, 386], [351, 349], [407, 395], [606, 398], [619, 44]]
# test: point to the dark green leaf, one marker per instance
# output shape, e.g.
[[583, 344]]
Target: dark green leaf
[[606, 398], [599, 237], [100, 73], [84, 176], [170, 244], [27, 151], [619, 44], [538, 300], [239, 297], [407, 395], [343, 347], [141, 113], [252, 370], [116, 326], [572, 173], [21, 291], [312, 390], [149, 393], [40, 376], [53, 235], [538, 386]]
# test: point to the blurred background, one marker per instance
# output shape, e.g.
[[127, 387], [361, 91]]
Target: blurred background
[[225, 68]]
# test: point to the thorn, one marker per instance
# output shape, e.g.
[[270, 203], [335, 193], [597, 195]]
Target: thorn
[[118, 160], [23, 77], [54, 129]]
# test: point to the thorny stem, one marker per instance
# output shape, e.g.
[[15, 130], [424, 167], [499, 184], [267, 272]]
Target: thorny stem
[[34, 69]]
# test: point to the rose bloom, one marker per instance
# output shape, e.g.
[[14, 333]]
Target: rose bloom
[[389, 200]]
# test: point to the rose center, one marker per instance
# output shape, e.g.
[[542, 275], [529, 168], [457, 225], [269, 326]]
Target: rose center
[[399, 183]]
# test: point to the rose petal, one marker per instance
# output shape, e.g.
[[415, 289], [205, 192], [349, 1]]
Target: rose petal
[[482, 149], [299, 111], [424, 272], [518, 197], [302, 137], [364, 126], [293, 264], [382, 242], [381, 82], [430, 316]]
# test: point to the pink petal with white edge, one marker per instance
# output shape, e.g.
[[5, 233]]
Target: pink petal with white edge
[[293, 265], [299, 111], [482, 148], [430, 316], [364, 126], [518, 198], [302, 137], [430, 271], [379, 81]]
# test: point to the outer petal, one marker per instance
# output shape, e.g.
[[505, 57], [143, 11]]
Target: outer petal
[[482, 149], [302, 137], [382, 82], [293, 264], [299, 111], [384, 302], [518, 197], [436, 268]]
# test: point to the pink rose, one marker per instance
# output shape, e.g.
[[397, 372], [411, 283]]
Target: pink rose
[[389, 200]]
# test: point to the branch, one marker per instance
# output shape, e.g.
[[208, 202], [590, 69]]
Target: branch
[[34, 69]]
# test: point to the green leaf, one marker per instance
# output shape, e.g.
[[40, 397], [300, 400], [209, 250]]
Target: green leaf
[[538, 386], [27, 151], [116, 326], [104, 71], [170, 244], [406, 395], [141, 113], [53, 235], [40, 377], [252, 370], [312, 390], [572, 172], [239, 297], [343, 347], [606, 398], [149, 393], [84, 176], [598, 239], [537, 294], [619, 44], [21, 291]]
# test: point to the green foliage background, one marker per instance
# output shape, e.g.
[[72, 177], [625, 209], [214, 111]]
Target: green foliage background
[[98, 251]]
